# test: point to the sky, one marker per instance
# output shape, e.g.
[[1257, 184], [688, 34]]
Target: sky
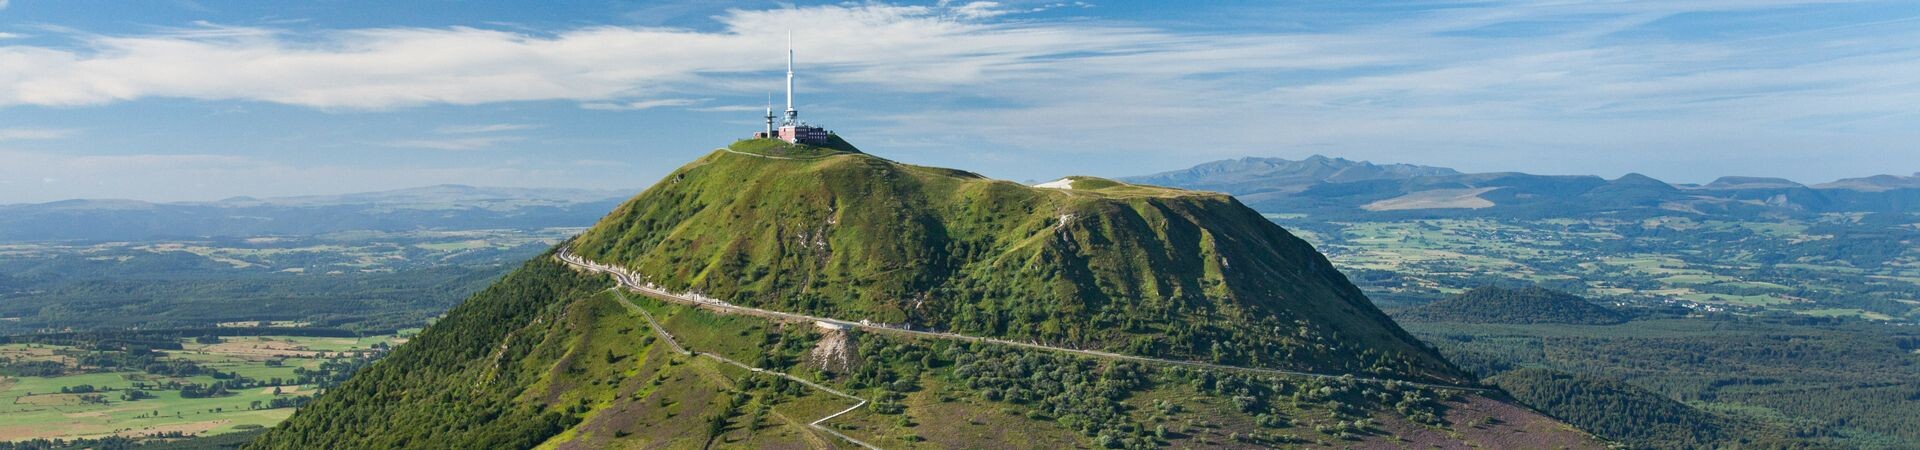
[[176, 100]]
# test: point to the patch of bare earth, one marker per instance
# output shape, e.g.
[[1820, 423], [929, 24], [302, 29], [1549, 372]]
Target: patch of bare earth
[[22, 432], [834, 353], [189, 428], [261, 349], [48, 399], [1435, 199]]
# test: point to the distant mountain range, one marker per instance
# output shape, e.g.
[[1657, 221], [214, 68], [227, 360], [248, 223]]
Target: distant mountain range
[[1340, 187], [431, 207]]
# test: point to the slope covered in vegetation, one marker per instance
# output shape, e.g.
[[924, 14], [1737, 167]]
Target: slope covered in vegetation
[[1492, 304], [462, 382], [1153, 271], [550, 358], [1627, 413]]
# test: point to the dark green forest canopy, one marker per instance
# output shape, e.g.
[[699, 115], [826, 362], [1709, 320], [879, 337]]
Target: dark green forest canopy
[[1491, 304]]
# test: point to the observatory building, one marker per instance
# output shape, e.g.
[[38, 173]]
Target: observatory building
[[790, 128]]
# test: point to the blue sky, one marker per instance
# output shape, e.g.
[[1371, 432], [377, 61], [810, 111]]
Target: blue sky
[[186, 100]]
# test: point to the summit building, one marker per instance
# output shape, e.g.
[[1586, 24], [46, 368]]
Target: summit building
[[790, 128]]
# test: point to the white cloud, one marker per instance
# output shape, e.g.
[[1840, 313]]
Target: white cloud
[[43, 177], [468, 143], [641, 104], [486, 128], [1571, 83], [731, 108], [980, 10], [19, 134], [906, 48]]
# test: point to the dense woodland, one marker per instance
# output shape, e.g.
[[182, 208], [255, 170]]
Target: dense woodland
[[1846, 383], [1492, 304]]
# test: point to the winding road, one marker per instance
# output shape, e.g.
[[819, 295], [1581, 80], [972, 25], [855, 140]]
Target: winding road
[[632, 281], [816, 424]]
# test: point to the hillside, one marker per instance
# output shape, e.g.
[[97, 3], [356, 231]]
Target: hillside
[[432, 207], [552, 358], [1633, 415], [1106, 265], [1493, 304], [1340, 189]]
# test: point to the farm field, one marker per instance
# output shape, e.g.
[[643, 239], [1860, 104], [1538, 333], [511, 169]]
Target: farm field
[[76, 393], [367, 281], [1812, 267]]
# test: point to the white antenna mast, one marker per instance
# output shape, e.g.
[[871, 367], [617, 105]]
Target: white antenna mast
[[793, 115], [769, 114]]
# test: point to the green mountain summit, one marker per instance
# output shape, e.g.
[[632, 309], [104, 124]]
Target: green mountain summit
[[1082, 313], [1100, 264]]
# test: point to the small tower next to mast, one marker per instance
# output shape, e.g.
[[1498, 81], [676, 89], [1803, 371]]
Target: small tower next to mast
[[791, 128]]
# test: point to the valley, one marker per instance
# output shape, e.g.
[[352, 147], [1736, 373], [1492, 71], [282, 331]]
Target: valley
[[371, 281], [1813, 268], [67, 389]]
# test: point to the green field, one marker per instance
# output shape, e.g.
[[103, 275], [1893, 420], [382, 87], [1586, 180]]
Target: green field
[[1807, 267], [34, 407]]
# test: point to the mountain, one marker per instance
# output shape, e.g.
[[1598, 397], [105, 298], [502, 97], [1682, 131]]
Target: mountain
[[1084, 314], [1338, 189], [1876, 183], [1492, 304], [1259, 174], [1106, 265], [432, 207]]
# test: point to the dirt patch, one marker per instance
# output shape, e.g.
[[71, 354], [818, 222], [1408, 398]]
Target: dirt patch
[[835, 351], [261, 349], [1435, 199], [190, 428], [48, 400], [88, 414], [23, 432], [285, 390]]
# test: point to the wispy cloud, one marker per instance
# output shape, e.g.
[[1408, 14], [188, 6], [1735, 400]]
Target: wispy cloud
[[641, 104], [1573, 85], [486, 128], [889, 46], [41, 177], [729, 108], [465, 143], [20, 134]]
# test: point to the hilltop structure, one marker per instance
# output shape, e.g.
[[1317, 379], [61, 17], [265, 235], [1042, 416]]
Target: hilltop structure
[[791, 129]]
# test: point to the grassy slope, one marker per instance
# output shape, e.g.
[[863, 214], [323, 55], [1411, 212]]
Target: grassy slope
[[547, 359], [1121, 267], [464, 382]]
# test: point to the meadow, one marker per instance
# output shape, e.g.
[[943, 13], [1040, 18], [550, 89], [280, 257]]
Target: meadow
[[82, 400], [1809, 267]]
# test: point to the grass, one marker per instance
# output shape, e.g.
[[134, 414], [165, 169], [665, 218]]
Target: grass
[[31, 407], [833, 232]]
